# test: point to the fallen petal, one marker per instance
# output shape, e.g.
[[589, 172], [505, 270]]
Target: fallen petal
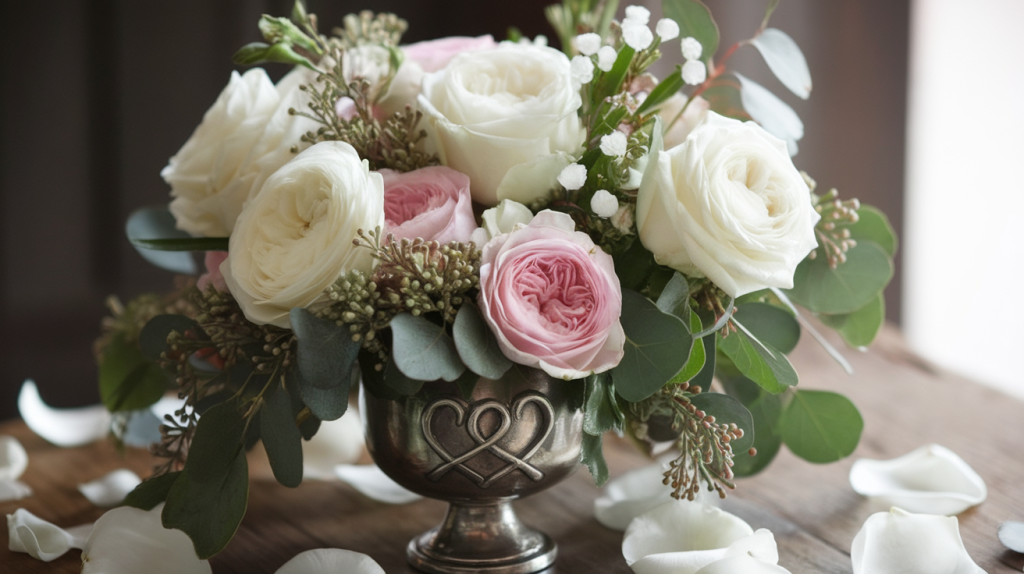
[[742, 563], [36, 537], [371, 481], [110, 490], [14, 490], [930, 480], [13, 458], [336, 442], [62, 427], [631, 495], [898, 542], [127, 540], [681, 537], [1011, 534], [330, 561]]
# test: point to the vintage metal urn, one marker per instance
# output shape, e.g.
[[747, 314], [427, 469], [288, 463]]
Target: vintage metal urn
[[511, 438]]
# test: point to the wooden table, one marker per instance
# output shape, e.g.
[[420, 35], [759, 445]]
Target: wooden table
[[811, 509]]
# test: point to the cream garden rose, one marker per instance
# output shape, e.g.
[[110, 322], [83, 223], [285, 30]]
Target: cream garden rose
[[295, 237], [506, 117], [244, 137], [728, 204]]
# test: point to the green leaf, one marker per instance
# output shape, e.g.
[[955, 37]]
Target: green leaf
[[608, 83], [785, 60], [675, 298], [771, 325], [151, 491], [599, 411], [281, 438], [758, 361], [698, 354], [704, 377], [188, 244], [157, 222], [284, 30], [422, 350], [258, 52], [821, 426], [209, 512], [633, 266], [326, 404], [848, 287], [326, 351], [774, 115], [694, 20], [476, 344], [765, 409], [726, 409], [873, 225], [373, 380], [153, 337], [217, 438], [128, 380], [663, 91], [657, 347], [592, 456], [861, 327], [723, 97], [398, 382]]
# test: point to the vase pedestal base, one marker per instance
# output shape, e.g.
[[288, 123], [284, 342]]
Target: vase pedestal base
[[481, 538]]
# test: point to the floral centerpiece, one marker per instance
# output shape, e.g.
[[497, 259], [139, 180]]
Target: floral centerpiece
[[450, 210]]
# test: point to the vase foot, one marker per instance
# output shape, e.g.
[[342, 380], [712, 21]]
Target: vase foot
[[486, 539]]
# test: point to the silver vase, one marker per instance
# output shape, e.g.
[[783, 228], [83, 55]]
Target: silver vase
[[513, 437]]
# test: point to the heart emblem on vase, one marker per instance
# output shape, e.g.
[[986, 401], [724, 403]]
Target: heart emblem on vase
[[510, 420]]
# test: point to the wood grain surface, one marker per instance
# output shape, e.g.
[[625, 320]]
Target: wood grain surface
[[811, 509]]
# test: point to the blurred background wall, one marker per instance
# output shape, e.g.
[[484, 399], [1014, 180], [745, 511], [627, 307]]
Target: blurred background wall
[[98, 94]]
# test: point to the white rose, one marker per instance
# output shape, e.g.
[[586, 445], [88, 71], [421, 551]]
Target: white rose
[[244, 137], [294, 238], [728, 204], [506, 118], [502, 218]]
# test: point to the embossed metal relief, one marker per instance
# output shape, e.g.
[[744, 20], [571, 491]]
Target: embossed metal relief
[[512, 426]]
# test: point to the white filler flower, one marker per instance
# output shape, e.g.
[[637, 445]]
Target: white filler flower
[[614, 144], [588, 44], [667, 29], [604, 204]]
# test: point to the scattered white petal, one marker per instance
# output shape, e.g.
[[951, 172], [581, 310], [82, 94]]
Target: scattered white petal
[[898, 542], [582, 69], [931, 480], [573, 176], [1011, 534], [371, 481], [540, 40], [631, 495], [109, 490], [38, 538], [743, 563], [691, 48], [62, 427], [694, 72], [637, 36], [604, 204], [681, 537], [127, 540], [606, 57], [335, 442], [667, 29], [637, 14], [13, 490], [614, 144], [13, 458], [330, 561], [588, 44]]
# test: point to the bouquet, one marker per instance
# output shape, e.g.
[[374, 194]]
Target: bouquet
[[399, 214]]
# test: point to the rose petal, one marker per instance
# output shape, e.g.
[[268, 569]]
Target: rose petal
[[110, 489], [13, 458], [631, 495], [128, 541], [38, 538], [743, 563], [931, 480], [1011, 534], [62, 427], [13, 490], [335, 442], [371, 481], [330, 561], [898, 542]]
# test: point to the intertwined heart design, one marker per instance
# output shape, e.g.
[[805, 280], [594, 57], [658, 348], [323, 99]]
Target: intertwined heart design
[[469, 414]]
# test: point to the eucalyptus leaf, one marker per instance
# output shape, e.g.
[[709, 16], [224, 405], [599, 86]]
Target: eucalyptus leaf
[[821, 426], [210, 511], [785, 60], [599, 413], [873, 225], [422, 350], [326, 404], [706, 374], [848, 287], [476, 344], [634, 265], [726, 410], [326, 351], [675, 298], [698, 354], [151, 491], [694, 20], [770, 324], [765, 409], [657, 347], [217, 439], [861, 327], [154, 223], [398, 382], [664, 90], [373, 380], [187, 244], [282, 438], [758, 361], [592, 456], [153, 337], [608, 83], [128, 380], [774, 115]]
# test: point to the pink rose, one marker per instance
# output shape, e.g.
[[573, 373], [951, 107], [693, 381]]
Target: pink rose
[[432, 203], [433, 55], [552, 298], [213, 275]]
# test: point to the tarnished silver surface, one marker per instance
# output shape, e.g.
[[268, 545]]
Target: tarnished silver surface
[[513, 437]]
